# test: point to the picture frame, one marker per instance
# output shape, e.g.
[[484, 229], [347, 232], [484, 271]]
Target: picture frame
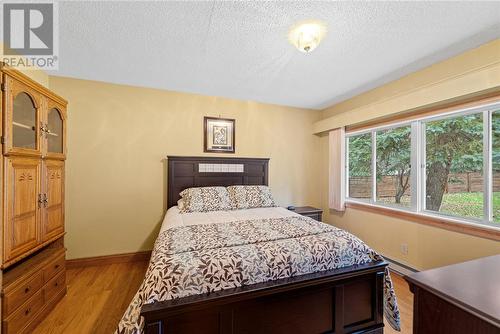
[[219, 135]]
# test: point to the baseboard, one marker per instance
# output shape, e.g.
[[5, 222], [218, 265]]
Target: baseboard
[[400, 268], [108, 259]]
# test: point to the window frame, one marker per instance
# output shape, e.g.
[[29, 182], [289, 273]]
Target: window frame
[[418, 158]]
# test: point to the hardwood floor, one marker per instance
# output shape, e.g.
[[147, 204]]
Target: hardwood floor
[[405, 303], [92, 292], [108, 289]]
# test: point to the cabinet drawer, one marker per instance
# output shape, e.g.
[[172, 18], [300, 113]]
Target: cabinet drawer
[[53, 267], [55, 285], [16, 297], [24, 314]]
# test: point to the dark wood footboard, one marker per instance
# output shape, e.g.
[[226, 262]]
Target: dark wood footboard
[[347, 300]]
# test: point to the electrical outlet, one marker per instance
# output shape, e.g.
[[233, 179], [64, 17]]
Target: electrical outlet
[[404, 249]]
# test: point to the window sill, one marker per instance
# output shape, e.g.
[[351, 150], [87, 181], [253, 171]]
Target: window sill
[[455, 225]]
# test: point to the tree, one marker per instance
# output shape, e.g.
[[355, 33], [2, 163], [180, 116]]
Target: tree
[[360, 157], [452, 145], [496, 141], [394, 158]]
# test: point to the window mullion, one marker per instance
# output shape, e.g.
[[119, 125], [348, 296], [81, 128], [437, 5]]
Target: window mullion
[[415, 172], [374, 166], [487, 167], [346, 166], [422, 167]]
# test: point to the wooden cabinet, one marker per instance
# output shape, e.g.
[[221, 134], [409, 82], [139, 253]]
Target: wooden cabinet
[[22, 199], [34, 150], [461, 298], [52, 199], [55, 131], [22, 292], [34, 124], [33, 137], [22, 118], [31, 289], [34, 203]]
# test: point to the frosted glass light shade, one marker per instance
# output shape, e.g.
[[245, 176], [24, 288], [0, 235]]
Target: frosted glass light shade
[[307, 35]]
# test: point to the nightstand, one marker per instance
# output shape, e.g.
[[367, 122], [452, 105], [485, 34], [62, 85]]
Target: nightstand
[[309, 211]]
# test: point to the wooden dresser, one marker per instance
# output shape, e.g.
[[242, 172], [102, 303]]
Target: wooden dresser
[[459, 299], [33, 136]]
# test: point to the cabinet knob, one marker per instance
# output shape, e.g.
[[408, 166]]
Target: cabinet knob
[[27, 311], [27, 289], [40, 200], [43, 129]]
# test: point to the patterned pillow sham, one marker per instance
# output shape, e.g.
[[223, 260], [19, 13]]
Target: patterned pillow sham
[[246, 197], [205, 199]]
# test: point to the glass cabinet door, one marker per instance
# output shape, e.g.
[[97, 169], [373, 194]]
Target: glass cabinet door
[[24, 122], [55, 131]]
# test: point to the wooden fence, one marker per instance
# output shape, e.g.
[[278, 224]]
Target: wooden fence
[[360, 187]]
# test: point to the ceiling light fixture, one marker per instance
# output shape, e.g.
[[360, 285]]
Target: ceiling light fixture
[[307, 35]]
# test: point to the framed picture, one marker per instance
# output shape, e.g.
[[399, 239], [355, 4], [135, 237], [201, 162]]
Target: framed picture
[[219, 135]]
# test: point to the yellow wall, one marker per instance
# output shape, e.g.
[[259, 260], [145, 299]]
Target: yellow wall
[[477, 70], [118, 137], [38, 75], [468, 74]]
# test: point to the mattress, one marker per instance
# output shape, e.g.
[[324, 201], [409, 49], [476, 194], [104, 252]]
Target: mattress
[[174, 219], [204, 252]]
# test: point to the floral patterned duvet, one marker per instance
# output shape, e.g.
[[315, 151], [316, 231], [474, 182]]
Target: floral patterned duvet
[[197, 259]]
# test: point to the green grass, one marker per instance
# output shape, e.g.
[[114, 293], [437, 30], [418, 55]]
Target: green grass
[[468, 205], [463, 204], [496, 207]]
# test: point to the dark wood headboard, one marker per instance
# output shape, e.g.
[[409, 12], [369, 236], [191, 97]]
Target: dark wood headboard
[[184, 172]]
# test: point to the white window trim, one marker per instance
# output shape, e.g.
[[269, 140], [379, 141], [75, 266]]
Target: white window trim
[[374, 167], [416, 179], [429, 214], [487, 166], [418, 155]]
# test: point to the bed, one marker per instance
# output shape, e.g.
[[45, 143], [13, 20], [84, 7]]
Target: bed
[[258, 270]]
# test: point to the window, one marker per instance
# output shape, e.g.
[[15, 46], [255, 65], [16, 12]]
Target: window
[[393, 166], [454, 166], [445, 165], [360, 167]]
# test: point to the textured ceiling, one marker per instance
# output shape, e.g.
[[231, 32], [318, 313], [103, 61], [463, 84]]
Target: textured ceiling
[[240, 49]]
